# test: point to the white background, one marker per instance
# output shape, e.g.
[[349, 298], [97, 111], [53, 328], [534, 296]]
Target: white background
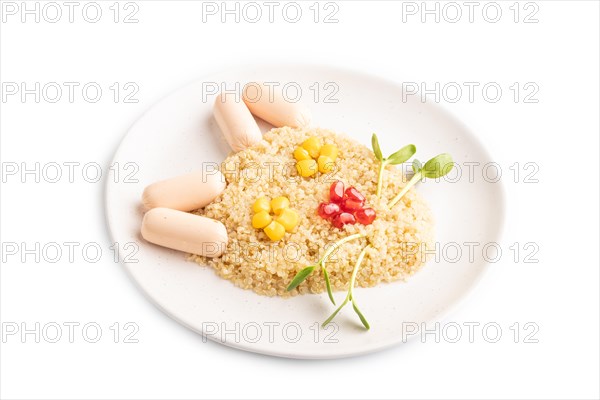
[[170, 46]]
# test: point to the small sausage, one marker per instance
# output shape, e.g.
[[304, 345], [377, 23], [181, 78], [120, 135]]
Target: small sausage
[[269, 104], [182, 231], [237, 124], [186, 192]]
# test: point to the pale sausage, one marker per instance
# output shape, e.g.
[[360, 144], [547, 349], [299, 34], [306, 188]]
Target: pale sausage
[[237, 124], [186, 192], [268, 103], [186, 232]]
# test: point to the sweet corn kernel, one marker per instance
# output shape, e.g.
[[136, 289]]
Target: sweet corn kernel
[[313, 146], [262, 204], [275, 231], [329, 150], [301, 154], [288, 218], [278, 204], [326, 164], [306, 168], [261, 219]]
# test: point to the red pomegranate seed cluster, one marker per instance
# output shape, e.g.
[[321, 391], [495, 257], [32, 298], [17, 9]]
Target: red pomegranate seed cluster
[[346, 206]]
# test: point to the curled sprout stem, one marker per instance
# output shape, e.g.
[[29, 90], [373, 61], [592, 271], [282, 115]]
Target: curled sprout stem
[[380, 179], [337, 244], [398, 157], [416, 178], [328, 254], [304, 273], [350, 295]]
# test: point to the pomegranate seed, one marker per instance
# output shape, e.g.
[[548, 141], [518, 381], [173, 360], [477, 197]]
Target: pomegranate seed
[[352, 205], [354, 194], [342, 219], [328, 210], [336, 192], [365, 216]]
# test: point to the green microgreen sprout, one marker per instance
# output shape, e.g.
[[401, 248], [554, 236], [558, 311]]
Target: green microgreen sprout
[[437, 167], [304, 273], [350, 295], [398, 157]]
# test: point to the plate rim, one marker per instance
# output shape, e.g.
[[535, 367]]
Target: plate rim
[[456, 304]]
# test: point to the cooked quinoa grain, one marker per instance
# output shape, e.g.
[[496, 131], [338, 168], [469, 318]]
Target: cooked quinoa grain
[[399, 236]]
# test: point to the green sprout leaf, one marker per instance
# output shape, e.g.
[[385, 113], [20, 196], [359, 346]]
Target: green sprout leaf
[[360, 315], [398, 157], [416, 166], [402, 155], [328, 284], [376, 148], [438, 166], [300, 277]]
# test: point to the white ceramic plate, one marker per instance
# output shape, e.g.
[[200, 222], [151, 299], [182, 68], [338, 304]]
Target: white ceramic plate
[[179, 133]]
